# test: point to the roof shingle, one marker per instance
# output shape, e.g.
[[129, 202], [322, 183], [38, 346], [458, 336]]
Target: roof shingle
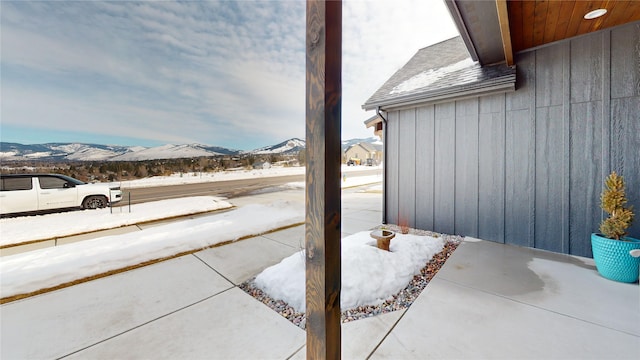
[[443, 70]]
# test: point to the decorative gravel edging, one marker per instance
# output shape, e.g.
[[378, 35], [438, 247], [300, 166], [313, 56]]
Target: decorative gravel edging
[[401, 300]]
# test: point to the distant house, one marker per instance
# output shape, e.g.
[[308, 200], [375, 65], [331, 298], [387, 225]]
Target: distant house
[[507, 135], [360, 152], [262, 165], [376, 123]]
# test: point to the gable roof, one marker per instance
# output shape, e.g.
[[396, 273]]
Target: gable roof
[[368, 147], [439, 72], [372, 121]]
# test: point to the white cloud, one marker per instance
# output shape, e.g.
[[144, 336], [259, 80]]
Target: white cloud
[[220, 73], [380, 36]]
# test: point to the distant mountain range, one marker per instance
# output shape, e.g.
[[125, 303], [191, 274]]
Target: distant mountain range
[[291, 146], [96, 152], [348, 143]]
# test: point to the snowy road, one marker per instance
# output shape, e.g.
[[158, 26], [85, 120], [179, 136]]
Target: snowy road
[[25, 229], [226, 188]]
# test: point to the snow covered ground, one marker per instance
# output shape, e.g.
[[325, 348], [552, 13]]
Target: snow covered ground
[[49, 267], [30, 228], [369, 275], [45, 268]]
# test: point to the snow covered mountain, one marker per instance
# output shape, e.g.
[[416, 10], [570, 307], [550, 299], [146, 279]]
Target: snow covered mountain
[[173, 152], [348, 143], [60, 151], [293, 146], [288, 147], [96, 152]]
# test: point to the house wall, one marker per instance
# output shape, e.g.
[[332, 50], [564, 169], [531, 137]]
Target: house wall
[[525, 167], [355, 152], [359, 152]]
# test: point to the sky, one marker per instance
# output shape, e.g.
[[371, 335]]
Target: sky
[[220, 73]]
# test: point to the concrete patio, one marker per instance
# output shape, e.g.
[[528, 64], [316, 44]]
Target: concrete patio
[[488, 301]]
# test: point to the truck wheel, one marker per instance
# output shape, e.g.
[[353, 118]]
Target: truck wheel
[[94, 202]]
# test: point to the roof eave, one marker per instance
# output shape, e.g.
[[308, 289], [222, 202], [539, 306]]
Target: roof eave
[[498, 85], [372, 121], [462, 28], [479, 24]]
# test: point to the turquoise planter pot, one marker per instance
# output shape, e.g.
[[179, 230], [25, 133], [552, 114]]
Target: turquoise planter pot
[[613, 260]]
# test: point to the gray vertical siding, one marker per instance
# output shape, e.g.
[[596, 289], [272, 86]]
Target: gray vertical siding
[[520, 156], [407, 163], [525, 167], [466, 167], [425, 163], [586, 141], [625, 112], [491, 175], [549, 177], [444, 169], [391, 193], [549, 163]]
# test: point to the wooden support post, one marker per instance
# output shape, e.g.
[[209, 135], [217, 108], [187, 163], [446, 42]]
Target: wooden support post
[[323, 202], [505, 32]]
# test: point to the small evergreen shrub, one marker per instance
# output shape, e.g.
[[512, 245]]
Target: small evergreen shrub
[[613, 202]]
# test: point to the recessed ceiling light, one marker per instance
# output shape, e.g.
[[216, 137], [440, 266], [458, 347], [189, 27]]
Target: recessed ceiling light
[[595, 14]]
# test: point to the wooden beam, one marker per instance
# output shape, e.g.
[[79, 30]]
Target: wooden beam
[[505, 32], [323, 197]]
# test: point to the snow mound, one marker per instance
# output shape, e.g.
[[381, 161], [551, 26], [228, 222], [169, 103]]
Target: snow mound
[[369, 275]]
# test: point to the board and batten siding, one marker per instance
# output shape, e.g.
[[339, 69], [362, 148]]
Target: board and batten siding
[[525, 167]]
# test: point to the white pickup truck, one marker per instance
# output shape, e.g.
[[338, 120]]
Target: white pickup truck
[[36, 192]]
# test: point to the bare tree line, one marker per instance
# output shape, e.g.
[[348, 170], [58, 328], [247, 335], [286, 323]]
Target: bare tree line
[[91, 171]]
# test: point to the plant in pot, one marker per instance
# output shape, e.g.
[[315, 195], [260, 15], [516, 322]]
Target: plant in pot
[[611, 246]]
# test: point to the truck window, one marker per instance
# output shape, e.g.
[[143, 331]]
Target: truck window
[[50, 182], [19, 183]]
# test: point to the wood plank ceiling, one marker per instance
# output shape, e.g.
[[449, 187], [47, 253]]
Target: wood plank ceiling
[[536, 22]]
